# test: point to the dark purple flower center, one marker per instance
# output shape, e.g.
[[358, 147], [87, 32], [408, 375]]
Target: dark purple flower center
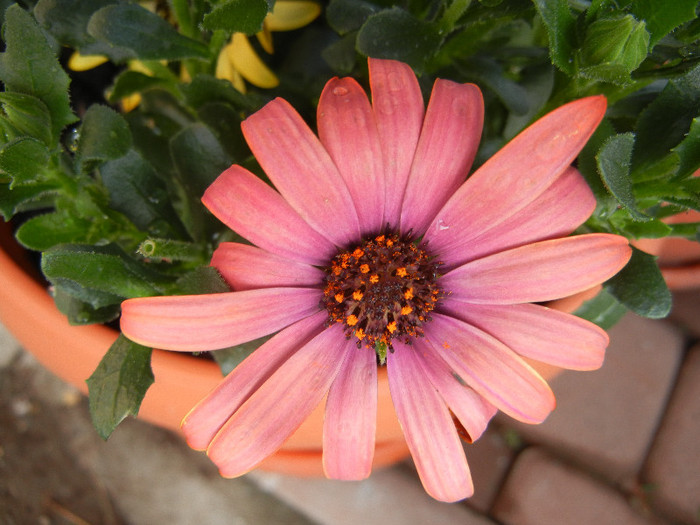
[[384, 288]]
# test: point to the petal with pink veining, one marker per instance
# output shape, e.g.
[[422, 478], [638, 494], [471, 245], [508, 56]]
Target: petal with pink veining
[[536, 332], [445, 151], [350, 423], [347, 129], [202, 423], [248, 267], [194, 323], [279, 406], [540, 271], [471, 409], [516, 174], [257, 212], [302, 170], [398, 107], [490, 368], [428, 427], [561, 208]]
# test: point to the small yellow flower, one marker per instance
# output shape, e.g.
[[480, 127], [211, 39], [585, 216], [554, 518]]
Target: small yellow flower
[[238, 62]]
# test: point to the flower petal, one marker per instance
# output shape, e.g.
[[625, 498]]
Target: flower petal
[[347, 129], [303, 172], [445, 151], [248, 267], [292, 14], [398, 107], [430, 432], [561, 208], [246, 61], [516, 174], [490, 368], [202, 423], [280, 405], [471, 409], [536, 332], [350, 422], [540, 271], [194, 323], [257, 212]]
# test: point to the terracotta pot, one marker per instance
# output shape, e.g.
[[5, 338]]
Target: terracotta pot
[[73, 353], [679, 259]]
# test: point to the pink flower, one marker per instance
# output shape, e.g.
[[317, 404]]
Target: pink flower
[[374, 244]]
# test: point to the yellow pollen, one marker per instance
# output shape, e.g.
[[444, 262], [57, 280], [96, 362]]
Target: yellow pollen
[[357, 295], [339, 297], [360, 334], [406, 310], [408, 294], [389, 243], [364, 268], [401, 272], [380, 238], [358, 253], [374, 279], [351, 320], [391, 327]]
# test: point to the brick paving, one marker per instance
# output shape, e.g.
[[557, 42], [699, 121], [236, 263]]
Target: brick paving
[[622, 447]]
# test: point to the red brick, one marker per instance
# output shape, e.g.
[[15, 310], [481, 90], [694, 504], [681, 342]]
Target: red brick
[[607, 419], [543, 491], [673, 469]]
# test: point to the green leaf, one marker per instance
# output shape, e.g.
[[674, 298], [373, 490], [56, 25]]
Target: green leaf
[[104, 135], [613, 48], [205, 89], [29, 115], [237, 16], [666, 121], [341, 54], [641, 287], [131, 82], [136, 191], [25, 197], [81, 313], [396, 34], [688, 151], [345, 16], [49, 229], [603, 310], [103, 268], [662, 16], [67, 20], [24, 160], [487, 72], [118, 384], [614, 167], [29, 66], [230, 358], [202, 280], [561, 30], [144, 34]]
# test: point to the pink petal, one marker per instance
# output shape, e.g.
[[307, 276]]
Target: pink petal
[[248, 267], [280, 405], [204, 420], [561, 208], [490, 368], [445, 151], [303, 172], [427, 424], [347, 129], [541, 271], [350, 422], [398, 107], [516, 175], [536, 332], [194, 323], [472, 410], [257, 212]]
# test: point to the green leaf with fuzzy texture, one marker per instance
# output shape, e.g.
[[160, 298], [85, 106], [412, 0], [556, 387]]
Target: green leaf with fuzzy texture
[[28, 115], [118, 384], [603, 310], [29, 66], [237, 16], [104, 135], [641, 287], [560, 24], [662, 16], [24, 160]]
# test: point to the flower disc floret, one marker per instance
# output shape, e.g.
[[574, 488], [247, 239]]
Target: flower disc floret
[[382, 289]]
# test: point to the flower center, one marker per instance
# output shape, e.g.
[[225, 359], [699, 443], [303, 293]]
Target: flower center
[[384, 288]]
